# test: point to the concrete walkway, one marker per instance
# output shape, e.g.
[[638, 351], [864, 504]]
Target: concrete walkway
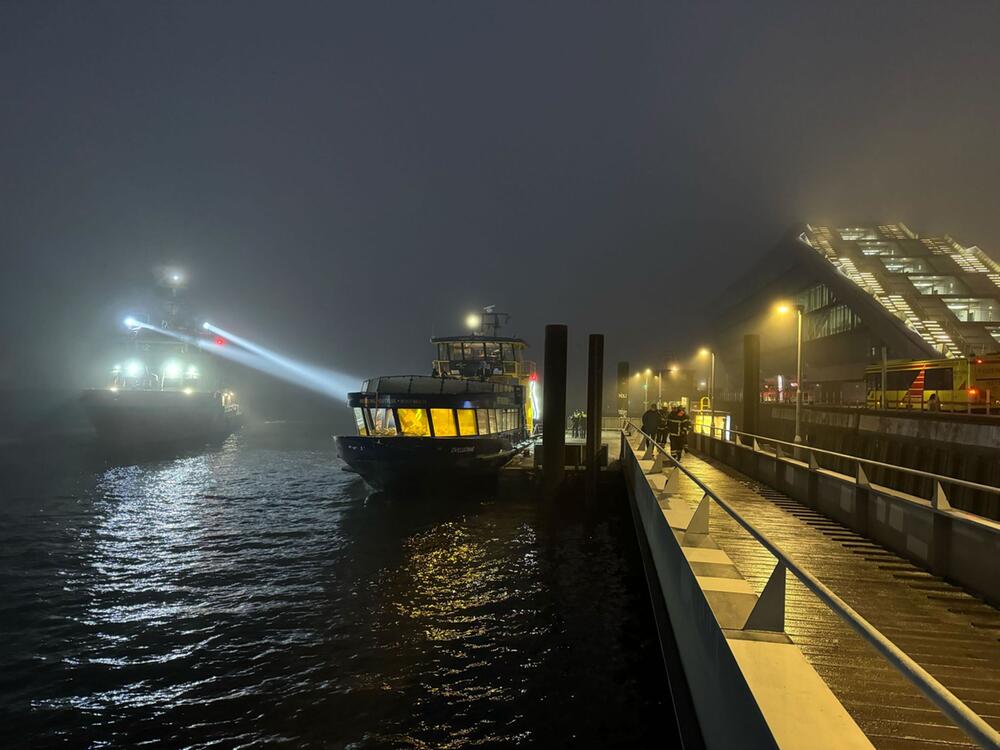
[[951, 634]]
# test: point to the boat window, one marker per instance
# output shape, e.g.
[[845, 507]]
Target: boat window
[[383, 422], [466, 421], [474, 351], [518, 353], [413, 422], [456, 352], [359, 417], [493, 420], [444, 422], [482, 417], [442, 351]]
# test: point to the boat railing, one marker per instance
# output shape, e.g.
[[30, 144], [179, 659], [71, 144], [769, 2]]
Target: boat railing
[[517, 369], [429, 384]]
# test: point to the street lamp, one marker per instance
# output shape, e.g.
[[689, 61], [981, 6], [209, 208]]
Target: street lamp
[[706, 352], [782, 308]]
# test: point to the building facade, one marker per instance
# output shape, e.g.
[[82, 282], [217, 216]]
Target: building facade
[[860, 288]]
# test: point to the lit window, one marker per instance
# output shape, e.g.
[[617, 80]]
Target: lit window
[[493, 420], [938, 285], [444, 422], [483, 418], [879, 248], [359, 418], [970, 310], [466, 421], [413, 422], [858, 233], [383, 422], [905, 265]]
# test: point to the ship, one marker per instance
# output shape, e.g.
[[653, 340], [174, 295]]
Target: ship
[[164, 386], [463, 422]]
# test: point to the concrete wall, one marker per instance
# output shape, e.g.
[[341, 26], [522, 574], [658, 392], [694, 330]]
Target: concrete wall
[[749, 688], [958, 546]]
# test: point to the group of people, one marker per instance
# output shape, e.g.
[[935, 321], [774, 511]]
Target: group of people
[[662, 424], [578, 421]]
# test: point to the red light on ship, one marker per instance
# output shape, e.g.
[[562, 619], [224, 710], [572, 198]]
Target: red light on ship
[[534, 376], [219, 341]]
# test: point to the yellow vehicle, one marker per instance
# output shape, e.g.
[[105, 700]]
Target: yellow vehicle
[[967, 385]]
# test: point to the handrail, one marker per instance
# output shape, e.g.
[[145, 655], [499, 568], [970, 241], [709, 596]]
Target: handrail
[[943, 478], [977, 728]]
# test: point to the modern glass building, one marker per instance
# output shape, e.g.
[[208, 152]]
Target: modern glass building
[[859, 288]]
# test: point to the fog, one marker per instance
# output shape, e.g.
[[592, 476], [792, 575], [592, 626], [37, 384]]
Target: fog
[[342, 182]]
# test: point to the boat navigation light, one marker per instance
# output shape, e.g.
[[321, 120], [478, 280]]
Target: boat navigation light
[[132, 323], [133, 368], [206, 325], [473, 321]]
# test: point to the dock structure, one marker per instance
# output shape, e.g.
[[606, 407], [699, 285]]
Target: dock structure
[[769, 663]]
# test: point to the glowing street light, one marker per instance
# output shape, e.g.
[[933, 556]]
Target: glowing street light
[[706, 352], [784, 308]]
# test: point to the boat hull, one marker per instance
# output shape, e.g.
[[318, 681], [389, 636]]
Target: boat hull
[[140, 418], [419, 464]]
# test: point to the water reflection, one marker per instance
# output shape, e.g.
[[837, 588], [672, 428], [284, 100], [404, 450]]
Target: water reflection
[[257, 593]]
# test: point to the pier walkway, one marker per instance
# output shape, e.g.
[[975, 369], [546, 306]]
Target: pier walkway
[[951, 634]]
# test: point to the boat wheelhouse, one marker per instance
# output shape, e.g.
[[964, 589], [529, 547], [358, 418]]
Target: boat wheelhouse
[[468, 418]]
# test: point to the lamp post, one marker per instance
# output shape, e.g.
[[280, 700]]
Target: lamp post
[[706, 352], [784, 308]]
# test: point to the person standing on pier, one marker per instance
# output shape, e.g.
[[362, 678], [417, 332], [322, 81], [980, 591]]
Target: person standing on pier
[[678, 426], [661, 427], [650, 421]]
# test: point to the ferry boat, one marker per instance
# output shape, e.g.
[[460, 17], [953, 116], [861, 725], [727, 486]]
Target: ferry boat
[[164, 386], [464, 421]]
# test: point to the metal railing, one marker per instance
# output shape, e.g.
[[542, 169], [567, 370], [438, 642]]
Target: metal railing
[[428, 384], [938, 499], [974, 726]]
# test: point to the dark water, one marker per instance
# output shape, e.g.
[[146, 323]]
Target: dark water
[[255, 595]]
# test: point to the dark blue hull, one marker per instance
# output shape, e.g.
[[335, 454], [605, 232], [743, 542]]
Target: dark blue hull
[[417, 464]]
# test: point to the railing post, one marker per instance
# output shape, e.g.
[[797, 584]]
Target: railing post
[[940, 552], [769, 611]]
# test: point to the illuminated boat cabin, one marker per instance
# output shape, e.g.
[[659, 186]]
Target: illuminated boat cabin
[[479, 386]]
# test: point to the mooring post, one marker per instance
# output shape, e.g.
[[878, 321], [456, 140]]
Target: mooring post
[[595, 409], [751, 384], [554, 409]]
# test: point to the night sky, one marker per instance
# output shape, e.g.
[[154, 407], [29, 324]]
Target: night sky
[[344, 181]]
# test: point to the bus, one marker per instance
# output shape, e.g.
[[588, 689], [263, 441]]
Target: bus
[[961, 385]]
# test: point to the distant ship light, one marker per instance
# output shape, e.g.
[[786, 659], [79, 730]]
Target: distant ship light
[[134, 368], [132, 323], [172, 370], [219, 341], [188, 391]]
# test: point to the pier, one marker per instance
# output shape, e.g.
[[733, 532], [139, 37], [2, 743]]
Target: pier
[[785, 666]]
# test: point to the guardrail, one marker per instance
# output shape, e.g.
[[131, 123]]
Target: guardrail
[[938, 498], [973, 725]]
